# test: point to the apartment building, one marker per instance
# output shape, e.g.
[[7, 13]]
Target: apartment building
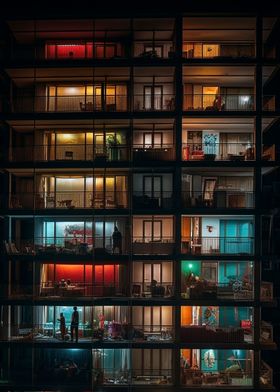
[[134, 158]]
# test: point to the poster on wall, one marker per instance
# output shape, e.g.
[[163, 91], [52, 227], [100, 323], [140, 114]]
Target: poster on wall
[[209, 362]]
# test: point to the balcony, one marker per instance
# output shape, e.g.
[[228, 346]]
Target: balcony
[[69, 200], [266, 294], [266, 334], [152, 200], [221, 199], [216, 368], [211, 139], [236, 152], [216, 324], [211, 279], [217, 245], [73, 152], [219, 102], [223, 38]]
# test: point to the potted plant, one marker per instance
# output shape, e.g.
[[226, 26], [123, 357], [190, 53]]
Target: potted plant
[[113, 143]]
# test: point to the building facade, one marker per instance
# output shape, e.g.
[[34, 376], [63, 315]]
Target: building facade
[[135, 158]]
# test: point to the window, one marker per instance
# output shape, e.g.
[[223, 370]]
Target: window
[[153, 96], [152, 230]]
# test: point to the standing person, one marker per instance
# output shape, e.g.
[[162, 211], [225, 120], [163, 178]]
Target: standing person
[[62, 326], [117, 240], [75, 324]]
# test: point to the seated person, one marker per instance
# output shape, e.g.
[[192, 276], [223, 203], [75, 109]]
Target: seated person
[[157, 290]]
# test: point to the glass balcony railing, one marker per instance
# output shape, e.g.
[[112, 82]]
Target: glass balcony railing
[[157, 102], [219, 198], [73, 245], [217, 245], [73, 103], [218, 152], [148, 200], [221, 379], [113, 330], [155, 245], [209, 51], [221, 102], [205, 334], [147, 290], [164, 152], [70, 200], [69, 152], [233, 290]]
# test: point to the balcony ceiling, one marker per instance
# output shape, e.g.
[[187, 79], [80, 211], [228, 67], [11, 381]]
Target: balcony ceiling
[[244, 125], [84, 74], [229, 171]]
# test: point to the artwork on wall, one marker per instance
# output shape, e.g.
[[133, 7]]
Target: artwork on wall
[[210, 315], [209, 361]]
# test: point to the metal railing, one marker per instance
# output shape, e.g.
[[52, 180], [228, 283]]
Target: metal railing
[[73, 103], [219, 102], [152, 200], [70, 200], [78, 244], [218, 245], [235, 290], [212, 151], [69, 152], [218, 334], [147, 290], [219, 198], [224, 50], [164, 152], [153, 245], [218, 378], [81, 289], [156, 102]]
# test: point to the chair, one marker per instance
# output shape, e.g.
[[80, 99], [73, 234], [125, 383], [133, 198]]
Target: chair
[[136, 290]]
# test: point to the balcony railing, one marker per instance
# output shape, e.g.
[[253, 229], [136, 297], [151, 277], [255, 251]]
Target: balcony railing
[[81, 289], [221, 379], [113, 376], [73, 103], [73, 245], [70, 200], [160, 102], [219, 198], [147, 290], [155, 245], [221, 102], [205, 334], [112, 330], [147, 200], [220, 50], [218, 151], [165, 152], [218, 245], [203, 289], [69, 152]]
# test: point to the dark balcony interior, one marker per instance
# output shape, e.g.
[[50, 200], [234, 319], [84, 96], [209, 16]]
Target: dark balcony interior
[[219, 188], [231, 280], [155, 142], [152, 190], [230, 139]]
